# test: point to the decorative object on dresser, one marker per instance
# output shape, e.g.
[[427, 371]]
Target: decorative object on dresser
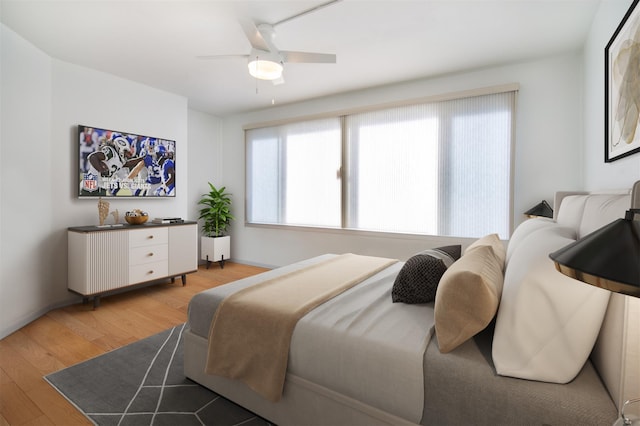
[[168, 220], [102, 260], [216, 213], [136, 217], [103, 211]]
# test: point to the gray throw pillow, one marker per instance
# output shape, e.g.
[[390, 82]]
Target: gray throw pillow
[[418, 279]]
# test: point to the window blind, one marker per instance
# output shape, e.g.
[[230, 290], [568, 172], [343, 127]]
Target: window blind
[[438, 168]]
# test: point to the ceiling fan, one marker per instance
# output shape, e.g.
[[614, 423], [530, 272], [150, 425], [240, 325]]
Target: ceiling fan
[[266, 61]]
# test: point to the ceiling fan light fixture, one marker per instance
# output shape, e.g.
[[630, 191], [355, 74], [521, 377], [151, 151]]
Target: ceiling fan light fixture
[[265, 69]]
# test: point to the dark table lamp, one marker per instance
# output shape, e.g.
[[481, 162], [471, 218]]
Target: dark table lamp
[[608, 258], [542, 209]]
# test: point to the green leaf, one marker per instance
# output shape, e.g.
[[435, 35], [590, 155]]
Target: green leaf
[[217, 212]]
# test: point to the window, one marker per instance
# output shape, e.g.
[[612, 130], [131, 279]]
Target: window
[[438, 168], [292, 174]]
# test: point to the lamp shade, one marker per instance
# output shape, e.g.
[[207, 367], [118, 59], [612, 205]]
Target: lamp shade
[[542, 209], [608, 257]]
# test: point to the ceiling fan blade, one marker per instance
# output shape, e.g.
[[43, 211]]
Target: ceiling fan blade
[[264, 55], [208, 57], [308, 57], [268, 34], [253, 35]]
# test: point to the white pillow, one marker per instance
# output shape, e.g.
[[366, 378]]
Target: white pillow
[[572, 210], [524, 230], [547, 323]]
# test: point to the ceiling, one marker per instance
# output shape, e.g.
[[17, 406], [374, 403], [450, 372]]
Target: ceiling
[[377, 42]]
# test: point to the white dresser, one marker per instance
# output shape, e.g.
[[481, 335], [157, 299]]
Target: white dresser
[[106, 259]]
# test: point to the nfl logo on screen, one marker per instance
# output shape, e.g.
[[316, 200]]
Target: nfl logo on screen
[[89, 182]]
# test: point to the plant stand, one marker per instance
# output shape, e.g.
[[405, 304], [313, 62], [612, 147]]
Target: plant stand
[[220, 262], [215, 249]]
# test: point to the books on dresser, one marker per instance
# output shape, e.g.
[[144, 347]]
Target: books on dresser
[[168, 220]]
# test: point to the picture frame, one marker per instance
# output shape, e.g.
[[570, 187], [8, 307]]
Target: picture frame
[[622, 88]]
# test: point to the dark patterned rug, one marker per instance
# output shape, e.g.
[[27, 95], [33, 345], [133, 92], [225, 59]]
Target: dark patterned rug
[[143, 384]]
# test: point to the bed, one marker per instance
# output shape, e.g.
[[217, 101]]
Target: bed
[[359, 359]]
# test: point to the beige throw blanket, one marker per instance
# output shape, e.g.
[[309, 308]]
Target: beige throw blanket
[[251, 330]]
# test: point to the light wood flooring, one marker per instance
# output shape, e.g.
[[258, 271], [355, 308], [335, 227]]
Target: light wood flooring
[[73, 334]]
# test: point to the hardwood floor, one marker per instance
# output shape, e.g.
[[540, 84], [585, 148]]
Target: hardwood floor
[[69, 335]]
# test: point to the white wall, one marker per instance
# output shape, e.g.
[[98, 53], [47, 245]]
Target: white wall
[[548, 154], [84, 96], [26, 243], [205, 163], [598, 174], [43, 101]]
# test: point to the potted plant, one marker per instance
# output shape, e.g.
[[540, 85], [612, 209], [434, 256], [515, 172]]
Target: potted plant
[[215, 246]]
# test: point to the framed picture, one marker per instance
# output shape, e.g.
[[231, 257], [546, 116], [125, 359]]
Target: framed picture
[[622, 88]]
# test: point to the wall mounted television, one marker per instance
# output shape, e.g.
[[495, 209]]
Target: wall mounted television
[[123, 164]]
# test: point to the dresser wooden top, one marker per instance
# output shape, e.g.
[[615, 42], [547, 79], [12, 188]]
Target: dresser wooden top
[[122, 226]]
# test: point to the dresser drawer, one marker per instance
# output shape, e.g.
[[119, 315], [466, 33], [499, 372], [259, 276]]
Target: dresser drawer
[[148, 236], [148, 271], [148, 254], [101, 260]]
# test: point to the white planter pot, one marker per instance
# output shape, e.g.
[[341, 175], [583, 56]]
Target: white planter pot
[[215, 249]]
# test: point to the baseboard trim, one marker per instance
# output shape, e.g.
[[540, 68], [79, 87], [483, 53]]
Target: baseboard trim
[[5, 331]]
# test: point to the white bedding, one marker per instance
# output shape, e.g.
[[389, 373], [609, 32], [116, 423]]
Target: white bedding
[[340, 343], [366, 347]]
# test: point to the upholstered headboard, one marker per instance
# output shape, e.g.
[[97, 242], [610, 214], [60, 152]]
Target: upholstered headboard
[[616, 354]]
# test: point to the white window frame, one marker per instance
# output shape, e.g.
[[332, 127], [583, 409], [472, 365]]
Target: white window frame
[[511, 87]]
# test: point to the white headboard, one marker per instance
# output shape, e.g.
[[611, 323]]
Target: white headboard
[[616, 354]]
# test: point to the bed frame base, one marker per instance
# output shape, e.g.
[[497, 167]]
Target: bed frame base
[[302, 402]]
